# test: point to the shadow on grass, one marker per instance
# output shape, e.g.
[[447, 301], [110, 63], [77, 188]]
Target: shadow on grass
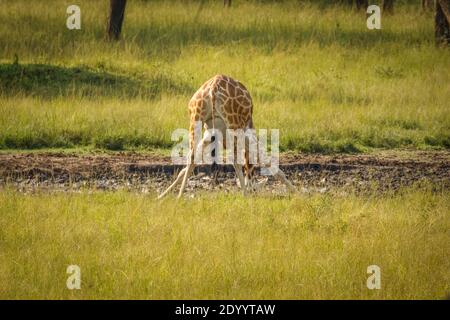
[[47, 81], [167, 39], [266, 37]]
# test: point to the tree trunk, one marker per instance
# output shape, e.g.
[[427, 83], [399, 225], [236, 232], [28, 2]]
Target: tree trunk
[[427, 5], [345, 2], [116, 15], [442, 19], [362, 4], [388, 6], [227, 3]]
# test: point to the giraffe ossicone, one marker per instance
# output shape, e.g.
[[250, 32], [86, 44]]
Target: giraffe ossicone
[[223, 105]]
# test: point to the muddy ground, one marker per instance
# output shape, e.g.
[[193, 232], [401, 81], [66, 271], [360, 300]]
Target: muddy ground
[[384, 171]]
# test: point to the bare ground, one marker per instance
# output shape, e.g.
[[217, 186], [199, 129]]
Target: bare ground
[[383, 171]]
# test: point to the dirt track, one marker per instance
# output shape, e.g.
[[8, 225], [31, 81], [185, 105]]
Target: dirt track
[[310, 173]]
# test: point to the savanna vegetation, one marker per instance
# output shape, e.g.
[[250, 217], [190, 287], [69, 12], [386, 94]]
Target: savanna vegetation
[[314, 69], [224, 246]]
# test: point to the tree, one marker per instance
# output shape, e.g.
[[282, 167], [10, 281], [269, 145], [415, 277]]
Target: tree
[[442, 19], [227, 3], [116, 15], [362, 4], [427, 4], [388, 6]]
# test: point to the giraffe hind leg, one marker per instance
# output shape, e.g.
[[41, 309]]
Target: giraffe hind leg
[[278, 174]]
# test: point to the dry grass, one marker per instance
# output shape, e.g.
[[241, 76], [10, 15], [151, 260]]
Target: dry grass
[[224, 246]]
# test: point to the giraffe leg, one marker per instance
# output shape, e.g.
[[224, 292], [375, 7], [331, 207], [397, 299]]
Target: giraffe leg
[[177, 180], [190, 167], [240, 175], [278, 174], [215, 174], [239, 183], [179, 177]]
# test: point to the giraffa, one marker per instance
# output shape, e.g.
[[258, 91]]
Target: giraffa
[[222, 103]]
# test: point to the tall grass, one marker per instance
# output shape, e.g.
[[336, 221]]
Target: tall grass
[[224, 246], [315, 72]]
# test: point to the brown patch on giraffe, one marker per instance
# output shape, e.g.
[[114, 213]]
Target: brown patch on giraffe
[[246, 103], [223, 84], [233, 82], [241, 105], [240, 100], [222, 97], [233, 106], [228, 107], [227, 88], [231, 90]]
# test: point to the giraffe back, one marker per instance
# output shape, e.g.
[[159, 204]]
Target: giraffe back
[[225, 98]]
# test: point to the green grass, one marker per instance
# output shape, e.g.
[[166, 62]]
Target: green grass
[[315, 72], [224, 246]]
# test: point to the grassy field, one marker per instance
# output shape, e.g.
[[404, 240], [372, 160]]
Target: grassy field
[[315, 72], [131, 246]]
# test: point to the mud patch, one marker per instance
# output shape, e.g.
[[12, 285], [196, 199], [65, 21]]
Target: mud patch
[[150, 173]]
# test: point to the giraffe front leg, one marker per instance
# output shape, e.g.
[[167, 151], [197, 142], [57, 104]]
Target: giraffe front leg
[[177, 180], [240, 175], [188, 172], [179, 177]]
